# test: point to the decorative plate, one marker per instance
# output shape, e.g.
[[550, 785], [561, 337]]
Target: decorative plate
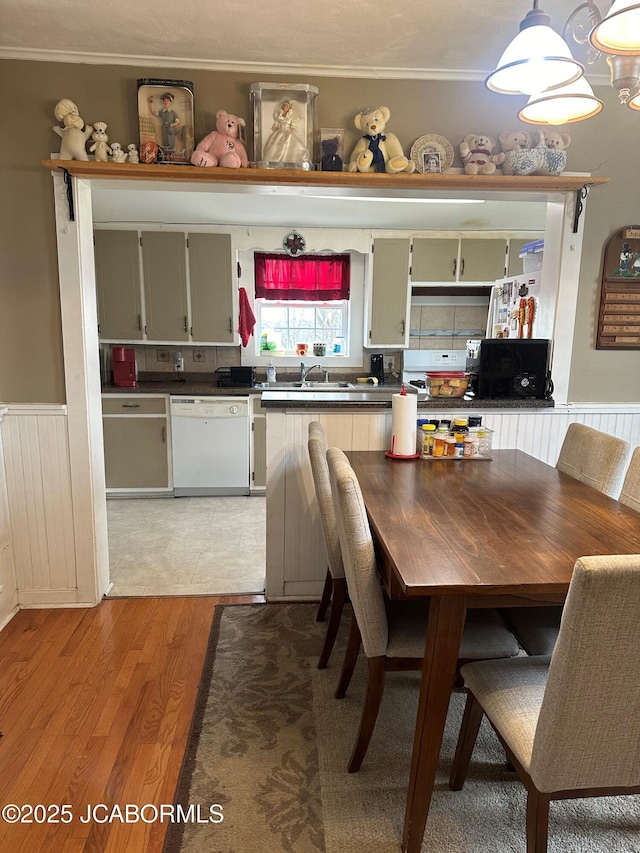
[[440, 147]]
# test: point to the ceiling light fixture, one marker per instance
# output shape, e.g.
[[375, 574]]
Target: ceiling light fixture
[[536, 70]]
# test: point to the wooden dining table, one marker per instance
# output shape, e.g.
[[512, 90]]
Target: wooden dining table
[[467, 533]]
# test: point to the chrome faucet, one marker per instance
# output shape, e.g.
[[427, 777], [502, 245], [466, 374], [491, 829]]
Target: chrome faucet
[[305, 372]]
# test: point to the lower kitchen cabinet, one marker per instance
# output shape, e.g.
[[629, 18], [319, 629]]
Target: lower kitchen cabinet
[[258, 446], [136, 445]]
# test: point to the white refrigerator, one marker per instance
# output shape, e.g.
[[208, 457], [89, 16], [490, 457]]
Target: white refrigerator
[[521, 307]]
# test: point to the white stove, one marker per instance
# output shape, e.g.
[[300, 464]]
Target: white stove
[[417, 361]]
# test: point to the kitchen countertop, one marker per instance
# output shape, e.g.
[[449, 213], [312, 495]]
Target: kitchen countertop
[[380, 398]]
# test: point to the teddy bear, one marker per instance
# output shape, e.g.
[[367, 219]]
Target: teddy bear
[[554, 147], [74, 137], [223, 146], [476, 152], [100, 142], [117, 154], [132, 153], [331, 160], [519, 157], [377, 151]]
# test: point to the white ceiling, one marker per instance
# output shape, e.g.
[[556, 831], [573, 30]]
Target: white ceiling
[[440, 39], [410, 38]]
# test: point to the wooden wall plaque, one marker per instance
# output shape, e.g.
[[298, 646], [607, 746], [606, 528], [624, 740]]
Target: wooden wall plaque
[[619, 316]]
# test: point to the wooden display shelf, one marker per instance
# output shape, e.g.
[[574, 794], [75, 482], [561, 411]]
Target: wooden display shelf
[[337, 180]]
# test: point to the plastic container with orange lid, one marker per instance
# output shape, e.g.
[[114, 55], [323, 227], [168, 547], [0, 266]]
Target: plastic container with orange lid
[[446, 384]]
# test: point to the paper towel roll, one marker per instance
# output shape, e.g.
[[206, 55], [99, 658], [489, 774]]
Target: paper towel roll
[[404, 416]]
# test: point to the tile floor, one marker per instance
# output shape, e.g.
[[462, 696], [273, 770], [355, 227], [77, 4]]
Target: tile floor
[[186, 546]]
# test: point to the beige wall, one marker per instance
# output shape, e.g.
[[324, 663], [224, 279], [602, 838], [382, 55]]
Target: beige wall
[[30, 334]]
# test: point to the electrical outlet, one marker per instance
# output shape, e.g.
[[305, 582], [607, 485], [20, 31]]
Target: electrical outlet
[[389, 363], [199, 355], [162, 355]]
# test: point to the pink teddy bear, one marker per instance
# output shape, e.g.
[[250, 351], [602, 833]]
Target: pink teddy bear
[[222, 147]]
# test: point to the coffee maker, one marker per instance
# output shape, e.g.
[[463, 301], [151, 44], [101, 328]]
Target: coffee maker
[[377, 367], [125, 372]]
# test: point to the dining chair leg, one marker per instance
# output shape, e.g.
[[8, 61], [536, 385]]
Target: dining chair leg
[[375, 688], [537, 821], [337, 606], [471, 720], [350, 658], [326, 597]]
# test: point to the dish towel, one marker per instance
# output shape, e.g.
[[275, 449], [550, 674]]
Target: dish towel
[[247, 318]]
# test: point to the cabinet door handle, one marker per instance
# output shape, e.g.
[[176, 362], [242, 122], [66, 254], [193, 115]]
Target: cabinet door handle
[[455, 266], [230, 325], [186, 324], [131, 405], [402, 328], [461, 267], [139, 322], [164, 435]]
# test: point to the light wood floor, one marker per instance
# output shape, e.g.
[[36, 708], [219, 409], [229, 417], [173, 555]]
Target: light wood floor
[[95, 707]]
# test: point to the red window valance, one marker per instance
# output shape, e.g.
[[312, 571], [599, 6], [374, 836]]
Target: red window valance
[[311, 278]]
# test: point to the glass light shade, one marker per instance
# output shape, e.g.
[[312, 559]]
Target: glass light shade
[[537, 59], [619, 31], [634, 102], [574, 102]]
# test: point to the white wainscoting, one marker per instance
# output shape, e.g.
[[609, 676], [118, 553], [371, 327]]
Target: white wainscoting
[[296, 559], [36, 458]]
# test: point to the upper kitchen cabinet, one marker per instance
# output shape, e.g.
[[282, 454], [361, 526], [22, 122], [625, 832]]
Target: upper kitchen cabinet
[[389, 301], [118, 285], [445, 260], [211, 288], [165, 286], [179, 297]]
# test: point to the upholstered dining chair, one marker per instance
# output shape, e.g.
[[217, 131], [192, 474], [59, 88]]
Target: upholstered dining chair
[[335, 585], [570, 723], [392, 635], [599, 460], [630, 494]]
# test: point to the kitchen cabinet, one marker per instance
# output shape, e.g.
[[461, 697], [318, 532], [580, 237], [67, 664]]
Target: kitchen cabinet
[[117, 265], [186, 292], [389, 301], [165, 286], [211, 288], [136, 445], [444, 260], [258, 446]]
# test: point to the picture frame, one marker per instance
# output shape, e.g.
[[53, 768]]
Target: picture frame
[[331, 160], [431, 162], [285, 134], [165, 120]]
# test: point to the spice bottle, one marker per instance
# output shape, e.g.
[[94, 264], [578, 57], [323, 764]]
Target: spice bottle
[[428, 435]]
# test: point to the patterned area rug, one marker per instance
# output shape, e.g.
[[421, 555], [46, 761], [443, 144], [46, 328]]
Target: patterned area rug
[[271, 744]]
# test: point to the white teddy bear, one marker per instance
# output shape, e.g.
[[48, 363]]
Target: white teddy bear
[[132, 154], [476, 152], [554, 145], [377, 151], [519, 157]]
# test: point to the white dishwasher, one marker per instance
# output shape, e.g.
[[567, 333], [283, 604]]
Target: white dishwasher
[[210, 445]]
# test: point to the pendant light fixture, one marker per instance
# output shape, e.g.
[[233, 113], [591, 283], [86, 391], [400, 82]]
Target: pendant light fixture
[[619, 31], [565, 105], [537, 60]]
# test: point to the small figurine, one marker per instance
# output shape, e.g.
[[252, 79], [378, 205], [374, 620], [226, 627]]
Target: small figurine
[[284, 145], [100, 142], [117, 154], [625, 257], [331, 160], [74, 138], [132, 154]]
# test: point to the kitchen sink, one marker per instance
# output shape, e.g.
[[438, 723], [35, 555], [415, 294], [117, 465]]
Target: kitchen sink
[[304, 386]]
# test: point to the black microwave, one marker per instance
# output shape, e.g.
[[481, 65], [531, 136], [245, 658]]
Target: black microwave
[[514, 368]]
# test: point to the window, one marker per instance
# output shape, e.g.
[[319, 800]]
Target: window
[[302, 300]]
